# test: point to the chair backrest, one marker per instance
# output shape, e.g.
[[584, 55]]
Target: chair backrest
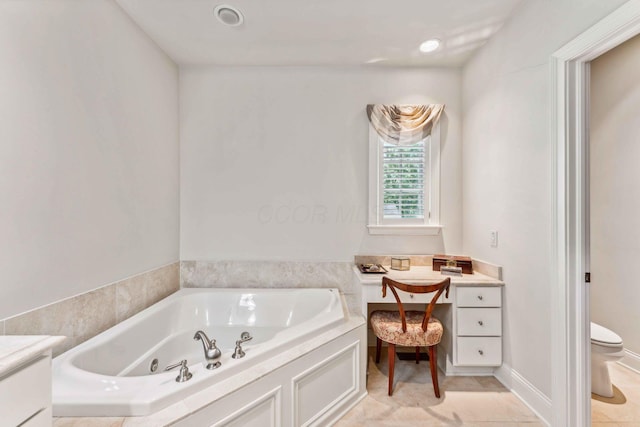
[[438, 288]]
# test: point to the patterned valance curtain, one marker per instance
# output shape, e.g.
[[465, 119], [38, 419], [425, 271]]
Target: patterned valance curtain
[[404, 124]]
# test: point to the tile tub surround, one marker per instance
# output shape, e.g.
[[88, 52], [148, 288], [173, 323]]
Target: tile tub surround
[[86, 315], [273, 274]]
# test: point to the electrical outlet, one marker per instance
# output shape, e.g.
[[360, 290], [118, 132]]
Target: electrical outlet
[[493, 238]]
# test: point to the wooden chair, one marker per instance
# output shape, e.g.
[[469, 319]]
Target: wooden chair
[[411, 328]]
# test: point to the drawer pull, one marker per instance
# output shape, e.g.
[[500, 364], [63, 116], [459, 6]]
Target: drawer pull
[[481, 352], [480, 322], [411, 296], [480, 297]]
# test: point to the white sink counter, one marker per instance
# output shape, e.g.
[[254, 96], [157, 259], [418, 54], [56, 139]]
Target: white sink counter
[[15, 350]]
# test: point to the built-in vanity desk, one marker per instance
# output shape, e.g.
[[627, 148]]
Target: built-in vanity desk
[[471, 315], [25, 380]]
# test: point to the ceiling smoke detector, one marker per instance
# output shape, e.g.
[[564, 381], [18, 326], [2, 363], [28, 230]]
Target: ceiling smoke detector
[[228, 15]]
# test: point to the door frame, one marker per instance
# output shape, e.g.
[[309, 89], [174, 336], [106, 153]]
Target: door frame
[[570, 335]]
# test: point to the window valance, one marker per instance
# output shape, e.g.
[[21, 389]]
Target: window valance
[[404, 124]]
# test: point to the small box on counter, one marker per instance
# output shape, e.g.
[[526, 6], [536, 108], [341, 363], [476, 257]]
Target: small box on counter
[[451, 271], [463, 262], [400, 263]]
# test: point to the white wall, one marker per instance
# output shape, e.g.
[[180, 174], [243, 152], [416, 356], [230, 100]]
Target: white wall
[[274, 161], [88, 151], [508, 165], [615, 193]]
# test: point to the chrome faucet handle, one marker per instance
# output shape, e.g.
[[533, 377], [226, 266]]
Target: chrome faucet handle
[[238, 353], [184, 374]]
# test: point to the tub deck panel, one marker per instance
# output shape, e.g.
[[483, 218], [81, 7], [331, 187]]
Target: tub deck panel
[[315, 389]]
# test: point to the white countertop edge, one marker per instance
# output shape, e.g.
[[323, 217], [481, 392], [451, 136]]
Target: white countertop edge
[[16, 354], [475, 279], [203, 398]]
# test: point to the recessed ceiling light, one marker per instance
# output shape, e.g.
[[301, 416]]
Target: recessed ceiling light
[[430, 45], [228, 15]]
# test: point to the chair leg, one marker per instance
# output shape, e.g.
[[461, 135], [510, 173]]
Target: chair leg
[[392, 364], [378, 347], [433, 364], [417, 355]]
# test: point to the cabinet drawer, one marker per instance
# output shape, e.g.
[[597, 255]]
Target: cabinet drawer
[[479, 351], [480, 321], [25, 392], [373, 294], [479, 296]]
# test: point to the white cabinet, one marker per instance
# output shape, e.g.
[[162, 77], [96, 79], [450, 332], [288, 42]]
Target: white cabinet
[[25, 393], [478, 338], [25, 380], [471, 314]]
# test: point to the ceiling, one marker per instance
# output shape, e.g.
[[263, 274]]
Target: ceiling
[[321, 32]]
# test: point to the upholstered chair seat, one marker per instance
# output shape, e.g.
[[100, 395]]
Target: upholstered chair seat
[[387, 325]]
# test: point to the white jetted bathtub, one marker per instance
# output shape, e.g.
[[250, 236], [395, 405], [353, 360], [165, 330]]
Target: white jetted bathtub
[[110, 374]]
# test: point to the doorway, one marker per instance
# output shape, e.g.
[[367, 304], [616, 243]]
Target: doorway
[[570, 293], [614, 232]]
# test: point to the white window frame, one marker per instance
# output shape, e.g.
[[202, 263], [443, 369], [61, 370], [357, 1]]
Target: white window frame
[[430, 225]]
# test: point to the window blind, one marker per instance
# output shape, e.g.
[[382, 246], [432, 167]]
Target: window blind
[[403, 185]]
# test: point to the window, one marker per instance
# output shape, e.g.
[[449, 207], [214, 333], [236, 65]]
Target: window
[[403, 180], [404, 187]]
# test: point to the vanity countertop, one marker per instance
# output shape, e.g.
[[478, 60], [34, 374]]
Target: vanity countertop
[[425, 274], [15, 350]]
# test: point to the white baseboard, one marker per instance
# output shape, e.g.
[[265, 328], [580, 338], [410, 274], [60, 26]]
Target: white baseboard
[[631, 360], [537, 401]]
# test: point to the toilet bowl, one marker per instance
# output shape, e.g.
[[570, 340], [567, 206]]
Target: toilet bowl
[[606, 346]]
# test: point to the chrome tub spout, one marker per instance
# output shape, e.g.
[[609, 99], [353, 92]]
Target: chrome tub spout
[[211, 351]]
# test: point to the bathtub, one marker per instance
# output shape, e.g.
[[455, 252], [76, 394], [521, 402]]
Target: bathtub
[[110, 374]]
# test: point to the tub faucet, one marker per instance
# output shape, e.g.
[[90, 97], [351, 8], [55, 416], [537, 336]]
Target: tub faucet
[[211, 352], [238, 353]]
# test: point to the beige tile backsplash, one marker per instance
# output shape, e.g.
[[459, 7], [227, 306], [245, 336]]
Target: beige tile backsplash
[[416, 260], [84, 316], [273, 274]]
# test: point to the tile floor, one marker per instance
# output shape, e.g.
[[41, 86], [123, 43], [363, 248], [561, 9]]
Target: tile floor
[[623, 410], [465, 401]]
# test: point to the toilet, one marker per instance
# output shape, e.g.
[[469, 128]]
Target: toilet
[[606, 346]]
